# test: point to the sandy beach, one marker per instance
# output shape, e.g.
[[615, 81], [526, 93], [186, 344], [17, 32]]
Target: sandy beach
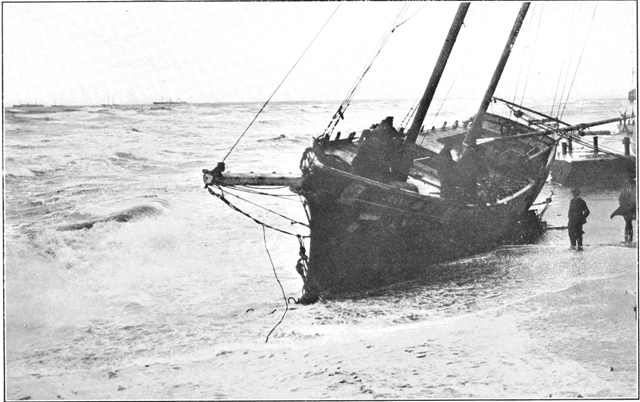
[[546, 354], [576, 341]]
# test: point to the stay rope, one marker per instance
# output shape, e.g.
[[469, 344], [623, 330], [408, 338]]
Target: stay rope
[[279, 85], [526, 45], [250, 190], [575, 137], [411, 16], [293, 221], [580, 59], [564, 57], [535, 42], [566, 77], [259, 222], [339, 114], [562, 103]]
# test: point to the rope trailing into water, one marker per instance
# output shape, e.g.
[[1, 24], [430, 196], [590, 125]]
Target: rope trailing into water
[[279, 85], [548, 201], [286, 303], [302, 266]]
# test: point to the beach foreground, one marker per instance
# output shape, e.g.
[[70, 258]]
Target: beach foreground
[[545, 354], [568, 341]]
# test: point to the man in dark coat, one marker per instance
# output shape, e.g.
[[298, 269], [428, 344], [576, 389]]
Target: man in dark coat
[[627, 208], [381, 155], [578, 213], [447, 173], [471, 169]]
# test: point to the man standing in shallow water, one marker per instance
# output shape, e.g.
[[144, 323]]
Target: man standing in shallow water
[[627, 208], [578, 213]]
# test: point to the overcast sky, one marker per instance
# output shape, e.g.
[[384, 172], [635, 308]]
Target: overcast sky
[[93, 53]]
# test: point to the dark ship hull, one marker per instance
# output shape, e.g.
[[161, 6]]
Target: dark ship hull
[[585, 165], [599, 172], [387, 205], [366, 233]]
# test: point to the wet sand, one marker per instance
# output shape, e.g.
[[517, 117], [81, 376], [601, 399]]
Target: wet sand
[[576, 341], [548, 353]]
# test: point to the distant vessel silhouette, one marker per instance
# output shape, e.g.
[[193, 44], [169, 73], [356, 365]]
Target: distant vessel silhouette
[[28, 105], [170, 102]]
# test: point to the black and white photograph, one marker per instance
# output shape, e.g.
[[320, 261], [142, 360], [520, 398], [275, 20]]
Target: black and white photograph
[[302, 200]]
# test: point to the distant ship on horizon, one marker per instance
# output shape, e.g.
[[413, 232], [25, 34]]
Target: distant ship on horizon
[[170, 102], [28, 105]]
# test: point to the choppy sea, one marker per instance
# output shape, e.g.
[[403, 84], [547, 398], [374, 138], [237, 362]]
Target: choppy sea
[[180, 297]]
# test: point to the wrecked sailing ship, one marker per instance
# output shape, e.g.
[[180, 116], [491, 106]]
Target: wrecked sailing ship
[[382, 208], [581, 161], [589, 164]]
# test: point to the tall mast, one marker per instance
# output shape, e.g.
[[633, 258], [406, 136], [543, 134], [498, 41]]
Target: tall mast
[[427, 97], [474, 131]]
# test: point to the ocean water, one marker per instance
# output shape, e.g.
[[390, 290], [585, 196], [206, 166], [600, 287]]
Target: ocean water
[[184, 300]]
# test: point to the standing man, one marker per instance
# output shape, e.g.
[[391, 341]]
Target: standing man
[[578, 213], [627, 208]]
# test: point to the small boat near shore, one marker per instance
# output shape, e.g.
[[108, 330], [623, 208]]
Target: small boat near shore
[[584, 163], [598, 161]]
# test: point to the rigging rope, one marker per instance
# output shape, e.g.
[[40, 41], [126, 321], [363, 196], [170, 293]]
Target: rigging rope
[[223, 199], [410, 113], [564, 56], [250, 190], [604, 150], [304, 206], [286, 303], [526, 45], [412, 15], [535, 43], [574, 135], [566, 77], [580, 59], [339, 115], [279, 85], [293, 221]]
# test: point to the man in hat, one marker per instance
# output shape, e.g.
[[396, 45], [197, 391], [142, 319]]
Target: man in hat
[[447, 171], [381, 154], [627, 208], [578, 213]]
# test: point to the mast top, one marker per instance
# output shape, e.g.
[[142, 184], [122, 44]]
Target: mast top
[[474, 131], [427, 97]]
